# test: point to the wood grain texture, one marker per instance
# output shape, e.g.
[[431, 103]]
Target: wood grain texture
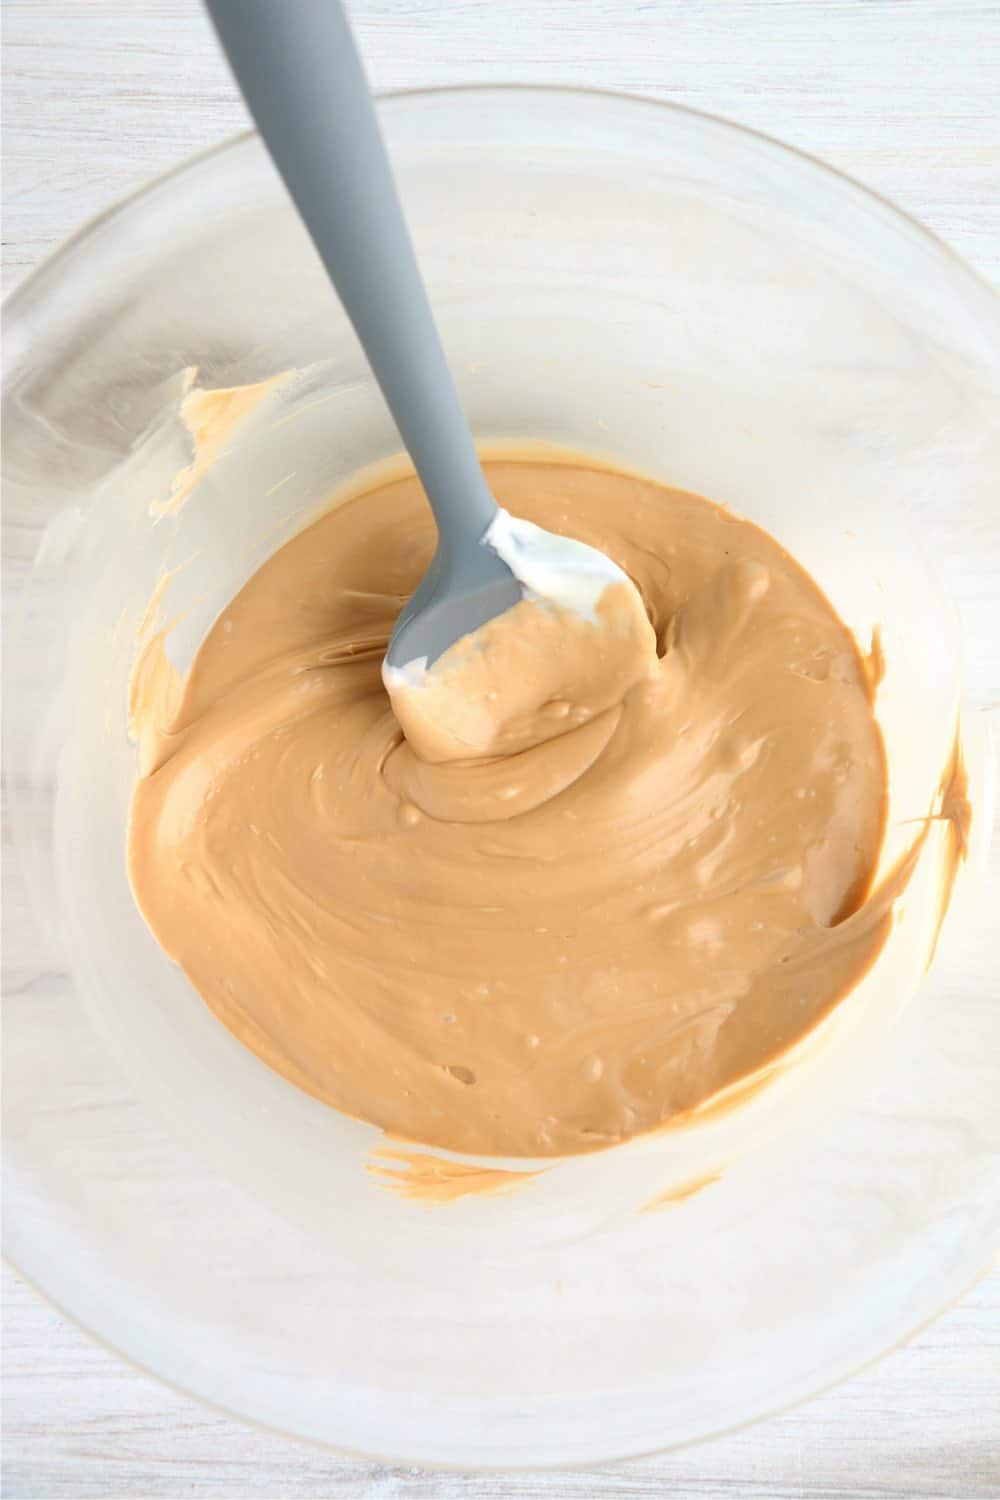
[[99, 95], [922, 1423]]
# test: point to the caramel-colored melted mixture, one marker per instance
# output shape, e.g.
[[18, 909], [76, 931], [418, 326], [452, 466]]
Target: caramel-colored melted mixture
[[556, 947], [436, 1179]]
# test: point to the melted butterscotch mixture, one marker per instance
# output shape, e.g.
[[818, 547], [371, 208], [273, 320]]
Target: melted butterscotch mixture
[[584, 930]]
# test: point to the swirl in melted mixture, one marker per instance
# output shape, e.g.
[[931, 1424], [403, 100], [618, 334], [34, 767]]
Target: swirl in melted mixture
[[570, 941]]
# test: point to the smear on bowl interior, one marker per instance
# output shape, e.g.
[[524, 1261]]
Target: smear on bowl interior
[[550, 949]]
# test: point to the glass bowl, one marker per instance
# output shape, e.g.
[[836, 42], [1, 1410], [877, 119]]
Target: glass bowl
[[610, 275]]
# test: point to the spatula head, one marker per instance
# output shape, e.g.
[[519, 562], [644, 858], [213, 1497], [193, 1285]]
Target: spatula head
[[449, 604]]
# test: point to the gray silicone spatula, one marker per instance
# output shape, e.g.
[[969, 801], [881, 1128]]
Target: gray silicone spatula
[[300, 73]]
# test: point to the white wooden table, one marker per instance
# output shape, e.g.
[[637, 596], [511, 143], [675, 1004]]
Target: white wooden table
[[904, 94]]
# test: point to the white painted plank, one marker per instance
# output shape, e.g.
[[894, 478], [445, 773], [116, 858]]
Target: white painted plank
[[903, 94]]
